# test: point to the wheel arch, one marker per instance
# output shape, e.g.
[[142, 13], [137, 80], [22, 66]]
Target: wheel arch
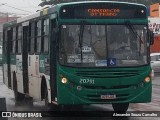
[[44, 85]]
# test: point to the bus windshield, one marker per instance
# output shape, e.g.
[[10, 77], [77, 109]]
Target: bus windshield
[[103, 45]]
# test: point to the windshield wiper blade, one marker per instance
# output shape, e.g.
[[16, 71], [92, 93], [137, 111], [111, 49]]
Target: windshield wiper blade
[[81, 39], [135, 34]]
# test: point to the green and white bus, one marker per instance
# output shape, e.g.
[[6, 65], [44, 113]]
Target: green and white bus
[[77, 53]]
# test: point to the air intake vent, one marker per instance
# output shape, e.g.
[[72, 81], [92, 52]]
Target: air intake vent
[[107, 73]]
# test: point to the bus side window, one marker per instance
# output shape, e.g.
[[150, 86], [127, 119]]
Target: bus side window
[[5, 42], [38, 37], [19, 40], [11, 40], [45, 32], [14, 41], [31, 38], [16, 46]]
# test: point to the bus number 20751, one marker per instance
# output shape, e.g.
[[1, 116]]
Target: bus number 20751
[[86, 81]]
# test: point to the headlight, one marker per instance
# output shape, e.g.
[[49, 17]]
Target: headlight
[[147, 79], [64, 80]]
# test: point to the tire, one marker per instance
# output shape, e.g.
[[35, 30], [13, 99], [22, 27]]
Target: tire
[[18, 96], [28, 101], [120, 107]]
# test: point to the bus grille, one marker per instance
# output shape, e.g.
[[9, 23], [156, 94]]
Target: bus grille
[[107, 73]]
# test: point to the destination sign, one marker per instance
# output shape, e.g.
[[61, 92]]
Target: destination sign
[[102, 11]]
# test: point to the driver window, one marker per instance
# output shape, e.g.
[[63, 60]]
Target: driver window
[[116, 38], [68, 38], [99, 40]]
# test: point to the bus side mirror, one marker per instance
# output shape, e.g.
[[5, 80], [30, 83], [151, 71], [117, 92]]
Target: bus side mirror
[[151, 37]]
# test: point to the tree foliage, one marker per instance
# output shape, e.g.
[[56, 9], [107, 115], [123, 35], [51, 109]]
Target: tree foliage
[[145, 2]]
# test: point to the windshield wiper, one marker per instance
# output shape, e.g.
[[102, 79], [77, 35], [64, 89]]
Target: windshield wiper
[[135, 34], [81, 39]]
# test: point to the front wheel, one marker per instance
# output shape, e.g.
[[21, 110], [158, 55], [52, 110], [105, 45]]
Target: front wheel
[[120, 107], [19, 98]]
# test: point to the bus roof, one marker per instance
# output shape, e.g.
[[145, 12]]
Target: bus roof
[[80, 2], [53, 9]]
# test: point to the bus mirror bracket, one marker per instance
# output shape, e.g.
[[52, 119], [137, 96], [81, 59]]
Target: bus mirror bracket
[[151, 37]]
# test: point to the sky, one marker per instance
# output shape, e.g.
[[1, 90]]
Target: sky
[[19, 7]]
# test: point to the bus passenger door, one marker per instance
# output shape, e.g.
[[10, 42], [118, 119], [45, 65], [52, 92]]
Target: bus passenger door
[[53, 52], [25, 56], [8, 58]]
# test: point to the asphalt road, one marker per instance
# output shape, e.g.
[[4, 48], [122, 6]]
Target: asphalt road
[[154, 106]]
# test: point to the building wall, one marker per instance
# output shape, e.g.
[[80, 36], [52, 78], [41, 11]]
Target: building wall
[[154, 10], [155, 48], [154, 25]]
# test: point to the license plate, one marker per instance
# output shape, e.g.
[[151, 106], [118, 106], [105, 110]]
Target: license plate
[[108, 96]]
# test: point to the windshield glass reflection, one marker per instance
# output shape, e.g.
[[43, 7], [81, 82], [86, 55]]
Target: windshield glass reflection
[[103, 45]]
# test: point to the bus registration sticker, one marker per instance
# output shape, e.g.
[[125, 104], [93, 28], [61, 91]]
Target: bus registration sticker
[[112, 96]]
